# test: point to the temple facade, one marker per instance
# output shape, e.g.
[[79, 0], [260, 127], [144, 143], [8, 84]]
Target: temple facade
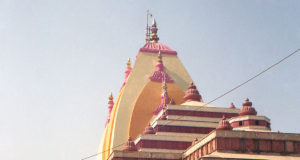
[[160, 114]]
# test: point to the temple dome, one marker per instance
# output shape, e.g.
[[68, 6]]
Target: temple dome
[[247, 108], [224, 124], [192, 94], [155, 47]]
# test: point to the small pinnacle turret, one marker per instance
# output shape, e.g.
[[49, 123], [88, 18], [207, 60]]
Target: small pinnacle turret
[[154, 37], [247, 108], [192, 94], [232, 105], [128, 63], [224, 124], [110, 107], [127, 71], [160, 74], [110, 98]]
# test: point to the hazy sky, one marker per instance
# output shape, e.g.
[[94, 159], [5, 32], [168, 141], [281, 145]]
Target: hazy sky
[[60, 59]]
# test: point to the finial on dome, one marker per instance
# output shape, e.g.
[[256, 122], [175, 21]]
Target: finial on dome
[[154, 23], [247, 108], [129, 145], [128, 63], [110, 98], [247, 102], [224, 124], [192, 94], [232, 106], [154, 37]]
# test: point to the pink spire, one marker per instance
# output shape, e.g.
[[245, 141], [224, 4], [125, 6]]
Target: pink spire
[[110, 106], [159, 74], [127, 72]]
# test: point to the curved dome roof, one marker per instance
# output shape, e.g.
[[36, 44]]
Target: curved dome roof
[[155, 47]]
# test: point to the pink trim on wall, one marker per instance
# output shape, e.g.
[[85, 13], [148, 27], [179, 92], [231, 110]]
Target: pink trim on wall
[[183, 129], [161, 144]]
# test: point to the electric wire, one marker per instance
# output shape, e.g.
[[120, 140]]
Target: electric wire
[[222, 95]]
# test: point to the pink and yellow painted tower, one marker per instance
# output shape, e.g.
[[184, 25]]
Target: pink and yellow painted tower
[[160, 114], [137, 100]]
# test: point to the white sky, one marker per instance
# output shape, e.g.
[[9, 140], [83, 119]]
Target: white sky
[[60, 59]]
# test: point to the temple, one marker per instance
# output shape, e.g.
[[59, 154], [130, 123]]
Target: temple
[[160, 114]]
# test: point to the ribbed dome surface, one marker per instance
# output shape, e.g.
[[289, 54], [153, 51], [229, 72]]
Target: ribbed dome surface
[[224, 124], [155, 47], [192, 94], [247, 109]]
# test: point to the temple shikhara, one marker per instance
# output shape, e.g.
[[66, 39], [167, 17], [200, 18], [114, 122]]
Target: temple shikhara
[[160, 114]]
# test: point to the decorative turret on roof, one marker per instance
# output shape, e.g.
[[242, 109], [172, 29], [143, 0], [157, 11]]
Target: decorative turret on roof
[[129, 145], [149, 130], [127, 72], [247, 108], [159, 74], [192, 94], [232, 105], [224, 124], [154, 37], [152, 45], [110, 106]]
